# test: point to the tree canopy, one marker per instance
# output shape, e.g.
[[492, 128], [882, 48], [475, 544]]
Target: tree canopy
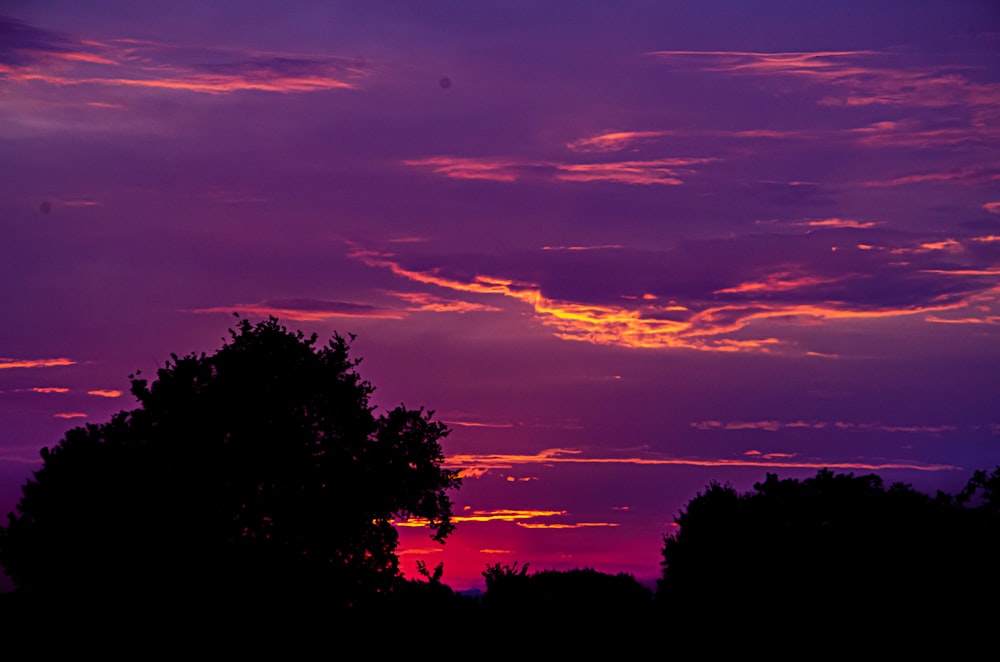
[[831, 555], [260, 469]]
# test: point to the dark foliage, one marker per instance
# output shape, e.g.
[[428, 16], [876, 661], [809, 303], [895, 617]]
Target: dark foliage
[[258, 475], [580, 594], [835, 556]]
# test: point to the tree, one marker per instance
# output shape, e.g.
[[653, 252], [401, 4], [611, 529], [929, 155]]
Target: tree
[[259, 470], [835, 555]]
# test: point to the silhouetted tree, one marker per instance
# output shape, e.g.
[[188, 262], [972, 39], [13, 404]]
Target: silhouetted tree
[[835, 555], [256, 473]]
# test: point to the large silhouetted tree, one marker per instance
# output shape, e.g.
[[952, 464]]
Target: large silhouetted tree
[[833, 556], [261, 470]]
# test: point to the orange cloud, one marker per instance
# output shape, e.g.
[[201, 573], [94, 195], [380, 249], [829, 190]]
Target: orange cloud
[[476, 424], [501, 515], [102, 393], [647, 326], [71, 414], [6, 364], [49, 389], [553, 456], [992, 207], [840, 223], [429, 303], [946, 245]]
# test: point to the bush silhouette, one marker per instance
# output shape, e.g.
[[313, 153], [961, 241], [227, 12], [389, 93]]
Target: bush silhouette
[[257, 475]]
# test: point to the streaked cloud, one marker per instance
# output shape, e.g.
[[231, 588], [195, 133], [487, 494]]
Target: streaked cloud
[[499, 515], [33, 56], [775, 426], [719, 319], [477, 424], [662, 171], [860, 77], [71, 414], [7, 364], [558, 525], [838, 223], [582, 248], [972, 175], [555, 456], [992, 207], [612, 141], [306, 310], [424, 302], [105, 393], [47, 389]]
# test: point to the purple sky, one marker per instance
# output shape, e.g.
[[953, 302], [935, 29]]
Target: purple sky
[[622, 248]]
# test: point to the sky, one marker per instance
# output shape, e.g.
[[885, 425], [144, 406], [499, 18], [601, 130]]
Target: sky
[[622, 249]]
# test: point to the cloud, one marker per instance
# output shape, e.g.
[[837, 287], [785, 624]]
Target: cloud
[[306, 310], [853, 78], [582, 248], [553, 456], [775, 426], [992, 207], [71, 414], [35, 56], [839, 223], [424, 302], [478, 424], [971, 175], [735, 295], [105, 393], [6, 364], [612, 141], [47, 389], [663, 171]]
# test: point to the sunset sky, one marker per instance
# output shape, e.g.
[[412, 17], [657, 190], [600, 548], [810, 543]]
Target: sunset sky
[[622, 249]]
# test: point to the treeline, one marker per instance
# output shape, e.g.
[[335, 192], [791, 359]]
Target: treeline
[[835, 558], [252, 492]]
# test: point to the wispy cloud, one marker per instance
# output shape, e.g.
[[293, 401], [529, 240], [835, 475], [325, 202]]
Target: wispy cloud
[[7, 364], [424, 302], [613, 141], [71, 414], [971, 175], [306, 310], [554, 456], [30, 55], [717, 319], [859, 77], [663, 171], [775, 426], [838, 223]]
